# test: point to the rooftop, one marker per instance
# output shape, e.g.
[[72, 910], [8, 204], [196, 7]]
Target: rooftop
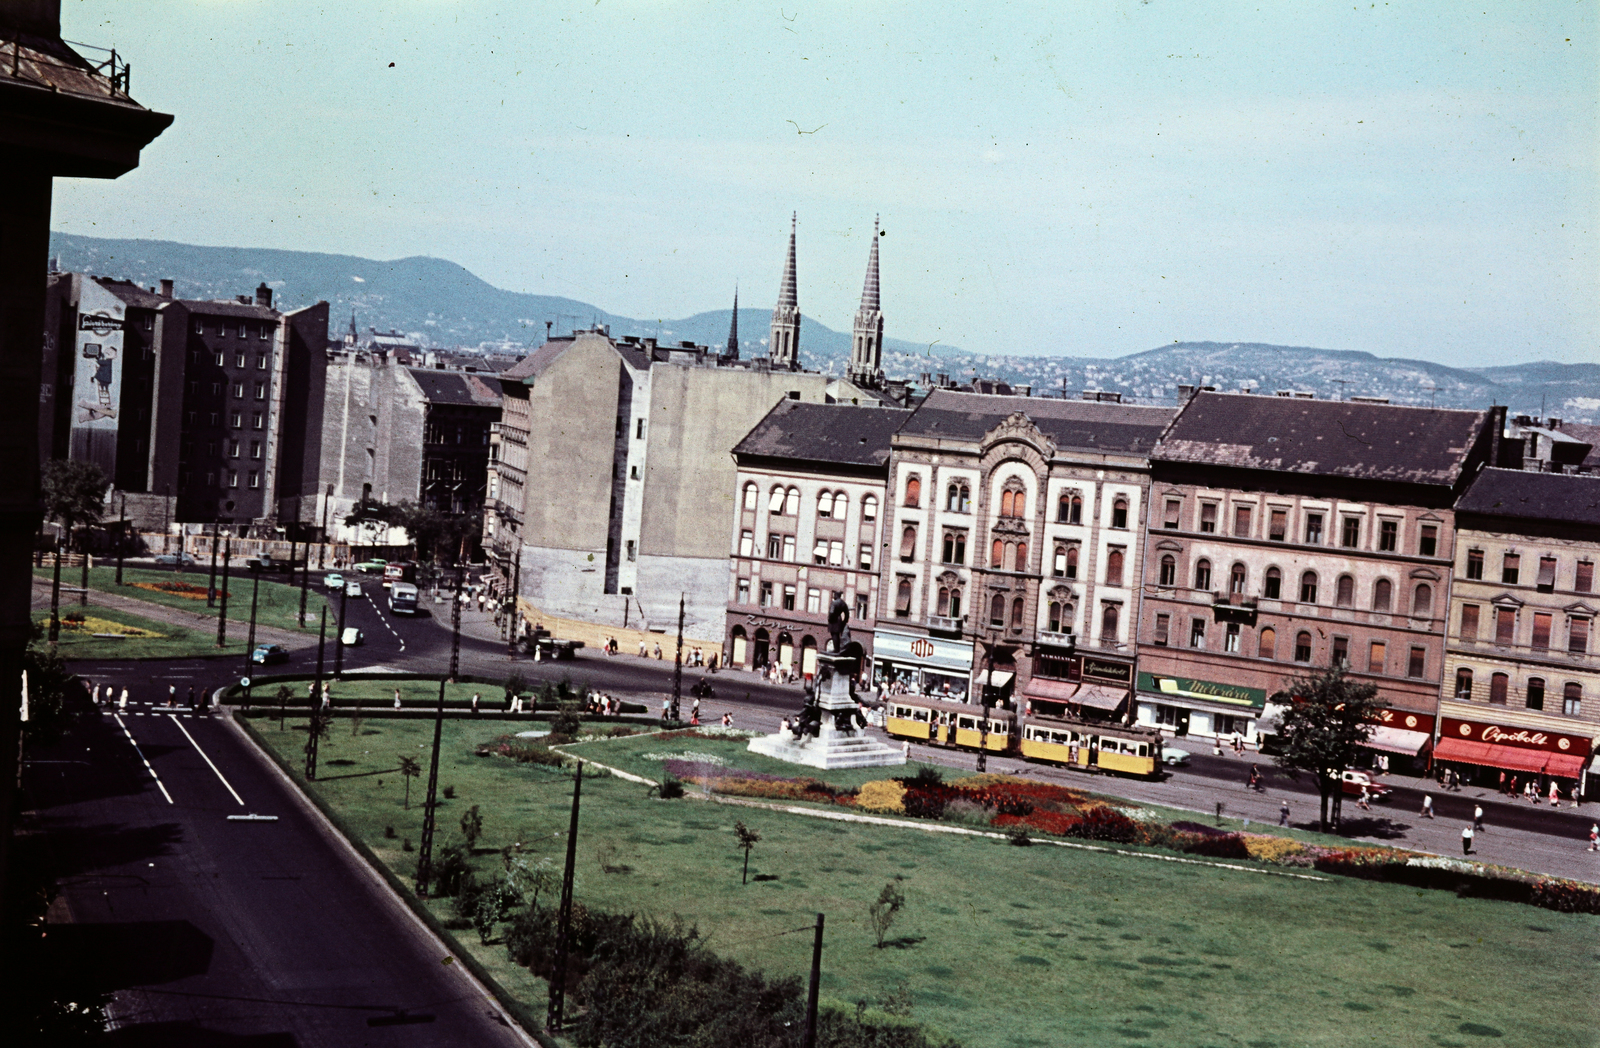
[[457, 387], [1556, 497], [1083, 424], [838, 433]]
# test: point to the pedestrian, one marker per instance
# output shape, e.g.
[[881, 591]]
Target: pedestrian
[[1362, 800], [1283, 814], [658, 651], [1502, 782], [1477, 816], [1427, 805], [172, 695], [641, 649], [191, 697], [475, 697], [1555, 797], [1466, 840], [666, 707], [122, 703], [327, 699], [695, 711], [1594, 836], [1238, 744], [1513, 791], [714, 656], [727, 720], [905, 749], [397, 698]]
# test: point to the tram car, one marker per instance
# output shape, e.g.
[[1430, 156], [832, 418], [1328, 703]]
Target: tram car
[[1065, 741]]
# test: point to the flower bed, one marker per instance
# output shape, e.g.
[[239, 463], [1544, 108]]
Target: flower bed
[[177, 589]]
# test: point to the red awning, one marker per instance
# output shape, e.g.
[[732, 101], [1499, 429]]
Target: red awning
[[1511, 758], [1059, 690], [1095, 696]]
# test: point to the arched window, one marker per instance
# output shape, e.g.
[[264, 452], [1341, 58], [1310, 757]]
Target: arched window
[[1422, 602], [1005, 503], [913, 490], [1302, 646], [1021, 561], [908, 542], [1464, 684], [997, 554], [1499, 685], [955, 602], [1382, 595], [1268, 648], [1016, 614], [1308, 588], [791, 502], [1058, 564], [1072, 562], [1064, 508], [1075, 514], [1169, 570], [1344, 594], [1119, 513], [1055, 616], [944, 601], [1272, 585], [1114, 568], [1108, 625], [965, 505], [1236, 578], [841, 505], [751, 495], [1202, 574], [902, 598], [869, 508], [825, 505], [953, 498], [997, 611], [775, 501]]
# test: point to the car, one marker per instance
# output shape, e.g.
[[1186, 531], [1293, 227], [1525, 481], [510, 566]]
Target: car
[[265, 654], [352, 637], [352, 588], [1173, 757], [1351, 782], [372, 567], [334, 581], [175, 559]]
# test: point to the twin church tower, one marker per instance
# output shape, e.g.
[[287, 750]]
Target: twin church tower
[[866, 344]]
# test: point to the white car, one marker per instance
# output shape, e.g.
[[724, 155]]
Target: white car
[[1173, 757], [334, 581], [351, 637], [352, 588]]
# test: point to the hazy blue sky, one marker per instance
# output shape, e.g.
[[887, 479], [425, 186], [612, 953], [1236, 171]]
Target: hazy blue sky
[[1411, 179]]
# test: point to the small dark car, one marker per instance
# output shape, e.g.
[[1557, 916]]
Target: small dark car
[[265, 654]]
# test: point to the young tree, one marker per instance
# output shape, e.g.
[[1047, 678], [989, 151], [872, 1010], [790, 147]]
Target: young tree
[[471, 826], [748, 839], [1326, 717], [409, 769], [882, 913], [73, 493]]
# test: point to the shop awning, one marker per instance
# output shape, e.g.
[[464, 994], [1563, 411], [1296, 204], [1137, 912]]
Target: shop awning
[[1095, 696], [1398, 740], [1511, 758], [999, 678], [1269, 721], [1101, 697], [1055, 690]]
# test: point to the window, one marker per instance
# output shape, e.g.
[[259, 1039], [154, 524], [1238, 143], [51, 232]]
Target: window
[[1508, 569], [221, 360], [997, 611], [913, 490], [233, 449], [1428, 543], [950, 600], [836, 553], [1344, 592], [1583, 578], [813, 601], [774, 546], [1174, 510], [788, 548], [841, 505], [1350, 532], [1236, 580], [1302, 646], [1114, 567], [1202, 574], [1572, 699], [791, 502], [959, 499], [997, 554], [1341, 652], [263, 332], [1314, 529], [775, 502], [1109, 616], [862, 606], [255, 479], [1474, 563], [1208, 516], [235, 420], [1382, 595], [1169, 571], [238, 359], [1119, 514], [744, 591], [1272, 586], [233, 478], [1505, 625], [1376, 655], [908, 542], [1197, 633], [1388, 535], [216, 389], [1469, 622], [1464, 684], [1016, 613], [1541, 631], [1163, 626], [1241, 522], [261, 362], [1278, 525], [1417, 664], [864, 561], [1074, 508], [825, 506], [1020, 562], [746, 543], [819, 552], [869, 508], [1578, 636], [751, 495], [1072, 562], [1546, 582], [261, 391], [1535, 693], [1422, 601], [210, 479], [902, 598], [1499, 684], [638, 430], [255, 420], [199, 326], [1230, 639], [788, 598], [1308, 588], [1267, 645]]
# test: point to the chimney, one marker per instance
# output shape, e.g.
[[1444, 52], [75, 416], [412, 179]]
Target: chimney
[[166, 288], [264, 295]]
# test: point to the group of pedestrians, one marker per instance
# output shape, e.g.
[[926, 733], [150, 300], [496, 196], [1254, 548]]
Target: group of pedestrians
[[107, 695]]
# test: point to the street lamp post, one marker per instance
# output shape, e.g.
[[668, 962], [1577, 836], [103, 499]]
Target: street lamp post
[[677, 663], [211, 582], [122, 536], [338, 647], [322, 547], [250, 646], [222, 612], [305, 583], [516, 584]]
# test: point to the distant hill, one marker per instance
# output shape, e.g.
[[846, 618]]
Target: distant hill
[[442, 304]]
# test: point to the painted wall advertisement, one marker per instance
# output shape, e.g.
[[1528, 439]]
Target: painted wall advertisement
[[97, 376]]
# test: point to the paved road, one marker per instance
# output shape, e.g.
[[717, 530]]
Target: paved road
[[210, 929]]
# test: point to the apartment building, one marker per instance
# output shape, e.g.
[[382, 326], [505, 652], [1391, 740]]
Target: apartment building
[[1286, 535], [1522, 671]]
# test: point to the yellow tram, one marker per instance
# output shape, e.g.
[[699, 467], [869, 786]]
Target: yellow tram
[[1066, 741]]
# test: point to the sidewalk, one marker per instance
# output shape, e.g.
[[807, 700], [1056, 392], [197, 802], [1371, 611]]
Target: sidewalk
[[480, 624]]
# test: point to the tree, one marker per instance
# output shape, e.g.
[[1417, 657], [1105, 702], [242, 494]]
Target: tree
[[471, 826], [883, 912], [1326, 716], [409, 769], [72, 493], [748, 839]]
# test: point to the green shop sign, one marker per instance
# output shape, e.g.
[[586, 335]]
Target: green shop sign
[[1203, 690]]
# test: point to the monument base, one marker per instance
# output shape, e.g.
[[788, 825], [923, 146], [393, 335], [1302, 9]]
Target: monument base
[[830, 747]]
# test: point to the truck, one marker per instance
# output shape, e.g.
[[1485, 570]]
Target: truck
[[267, 564], [550, 647]]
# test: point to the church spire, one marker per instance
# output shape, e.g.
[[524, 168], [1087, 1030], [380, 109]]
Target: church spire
[[866, 344], [784, 348], [732, 352]]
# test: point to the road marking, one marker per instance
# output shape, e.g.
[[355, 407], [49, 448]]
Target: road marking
[[203, 757], [385, 621], [142, 757]]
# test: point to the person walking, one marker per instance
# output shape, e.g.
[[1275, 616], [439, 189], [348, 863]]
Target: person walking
[[191, 697], [1555, 796], [666, 707], [1466, 840], [694, 711], [122, 703], [1427, 805], [475, 697], [172, 695], [1594, 836], [1283, 814], [641, 649], [1477, 817], [397, 698], [727, 720], [658, 651], [1364, 798], [327, 699]]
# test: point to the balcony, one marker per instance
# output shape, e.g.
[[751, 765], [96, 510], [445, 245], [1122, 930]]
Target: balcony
[[1234, 608], [1052, 639], [946, 623]]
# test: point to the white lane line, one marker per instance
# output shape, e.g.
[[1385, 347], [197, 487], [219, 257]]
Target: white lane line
[[142, 757], [203, 757], [385, 621]]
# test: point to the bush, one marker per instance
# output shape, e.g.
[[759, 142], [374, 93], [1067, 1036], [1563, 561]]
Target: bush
[[451, 873], [566, 722], [1224, 846], [671, 788]]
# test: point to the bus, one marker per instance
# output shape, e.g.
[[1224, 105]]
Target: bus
[[396, 572], [402, 598]]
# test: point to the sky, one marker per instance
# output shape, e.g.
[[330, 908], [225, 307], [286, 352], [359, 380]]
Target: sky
[[1082, 179]]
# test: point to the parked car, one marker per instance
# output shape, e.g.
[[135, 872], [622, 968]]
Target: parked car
[[1173, 757], [265, 654], [1354, 780], [174, 559], [372, 567], [334, 581], [352, 588], [352, 637]]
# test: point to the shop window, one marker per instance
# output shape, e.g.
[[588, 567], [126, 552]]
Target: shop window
[[1241, 522], [1578, 636], [1169, 570], [1535, 693], [1428, 541], [1308, 588], [1377, 654], [1202, 574], [1109, 616], [997, 554], [1464, 684], [914, 491], [1272, 585], [902, 599], [1382, 595], [1016, 614], [1583, 578], [955, 547], [1344, 592], [1119, 514], [1505, 625], [1114, 567], [869, 508], [908, 543], [1547, 575], [1174, 510], [1422, 601], [1197, 633], [1278, 525], [1208, 516], [1230, 638], [1572, 699], [1417, 665], [1267, 643], [1302, 646], [1350, 532], [1510, 568], [1475, 564], [1072, 562], [1541, 631], [1469, 622], [864, 558], [1388, 535], [1163, 627], [1236, 580], [997, 610], [1499, 683]]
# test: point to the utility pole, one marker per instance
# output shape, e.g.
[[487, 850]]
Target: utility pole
[[250, 645], [677, 664], [811, 994], [122, 535], [211, 581], [455, 627], [558, 974], [313, 708], [425, 854], [83, 593], [305, 582], [983, 700], [338, 647], [322, 547], [222, 612], [55, 597], [516, 582]]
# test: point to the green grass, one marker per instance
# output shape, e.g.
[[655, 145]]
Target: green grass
[[379, 694], [174, 642], [277, 604], [1001, 945]]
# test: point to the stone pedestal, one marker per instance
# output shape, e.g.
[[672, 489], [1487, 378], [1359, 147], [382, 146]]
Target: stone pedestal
[[831, 747]]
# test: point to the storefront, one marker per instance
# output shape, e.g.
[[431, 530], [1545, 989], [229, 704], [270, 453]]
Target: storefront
[[921, 665], [1209, 709], [1079, 686], [1402, 742], [1480, 752]]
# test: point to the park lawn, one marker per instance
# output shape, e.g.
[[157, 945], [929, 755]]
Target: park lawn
[[277, 604], [161, 640], [378, 692], [1000, 945]]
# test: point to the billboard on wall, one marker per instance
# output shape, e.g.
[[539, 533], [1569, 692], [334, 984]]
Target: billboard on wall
[[97, 376]]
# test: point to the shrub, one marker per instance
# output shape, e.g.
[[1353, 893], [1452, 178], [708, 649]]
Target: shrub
[[566, 722], [885, 795], [671, 788], [926, 803], [450, 871], [1106, 824], [1225, 846]]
